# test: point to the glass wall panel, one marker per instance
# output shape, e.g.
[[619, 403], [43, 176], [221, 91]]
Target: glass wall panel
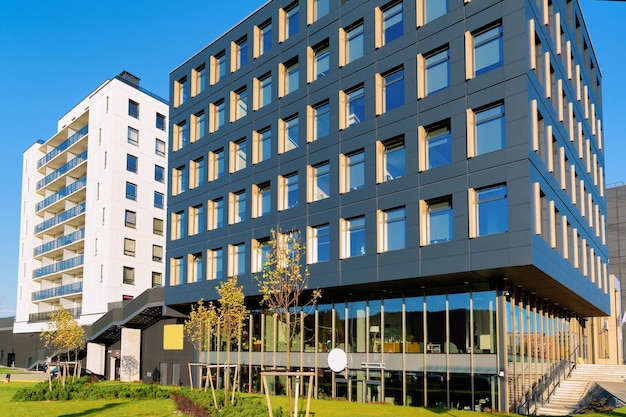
[[436, 384], [460, 391], [484, 305], [393, 326], [415, 324], [357, 327], [375, 332], [268, 336], [393, 387], [415, 389], [325, 328], [256, 331], [459, 314], [308, 328], [485, 392], [340, 325]]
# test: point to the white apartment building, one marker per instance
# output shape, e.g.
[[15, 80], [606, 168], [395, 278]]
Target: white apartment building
[[92, 227]]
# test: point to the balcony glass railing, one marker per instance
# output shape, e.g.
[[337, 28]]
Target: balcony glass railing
[[62, 193], [60, 242], [60, 218], [45, 315], [63, 146], [62, 170], [58, 266], [68, 289]]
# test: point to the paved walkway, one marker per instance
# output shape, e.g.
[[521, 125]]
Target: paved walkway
[[25, 375]]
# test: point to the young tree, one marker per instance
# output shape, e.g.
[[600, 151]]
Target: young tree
[[199, 326], [283, 286], [63, 333], [231, 314]]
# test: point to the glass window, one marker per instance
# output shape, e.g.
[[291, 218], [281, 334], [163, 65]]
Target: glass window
[[354, 237], [290, 140], [157, 279], [179, 180], [157, 226], [160, 122], [218, 115], [320, 8], [265, 90], [239, 206], [264, 145], [133, 109], [488, 50], [216, 214], [321, 120], [159, 173], [130, 219], [355, 171], [216, 161], [181, 135], [178, 225], [439, 218], [198, 126], [264, 199], [131, 191], [321, 181], [176, 271], [394, 229], [241, 103], [181, 91], [438, 146], [321, 60], [354, 43], [159, 147], [199, 79], [219, 66], [393, 89], [265, 42], [392, 23], [159, 200], [292, 77], [195, 267], [240, 154], [131, 163], [261, 254], [157, 253], [394, 160], [215, 263], [292, 20], [197, 174], [434, 9], [489, 125], [241, 55], [133, 136], [290, 191], [319, 246], [437, 67], [238, 263], [355, 103], [492, 210], [128, 275], [196, 219]]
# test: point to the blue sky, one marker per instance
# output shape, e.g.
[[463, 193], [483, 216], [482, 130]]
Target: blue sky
[[55, 52]]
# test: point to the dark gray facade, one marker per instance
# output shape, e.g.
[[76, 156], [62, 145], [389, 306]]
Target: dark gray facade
[[616, 208], [517, 180]]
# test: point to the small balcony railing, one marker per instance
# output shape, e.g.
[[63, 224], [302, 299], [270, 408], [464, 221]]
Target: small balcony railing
[[45, 315], [61, 217], [63, 146], [58, 266], [62, 170], [60, 242], [62, 193], [68, 289]]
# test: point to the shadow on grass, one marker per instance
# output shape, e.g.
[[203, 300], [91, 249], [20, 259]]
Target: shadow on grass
[[92, 411]]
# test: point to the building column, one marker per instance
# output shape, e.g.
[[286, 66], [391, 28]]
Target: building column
[[96, 358], [130, 355]]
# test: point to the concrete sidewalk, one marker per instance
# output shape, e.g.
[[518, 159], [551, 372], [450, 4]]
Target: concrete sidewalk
[[24, 375]]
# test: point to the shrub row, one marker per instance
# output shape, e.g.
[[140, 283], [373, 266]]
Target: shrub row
[[82, 389], [200, 404]]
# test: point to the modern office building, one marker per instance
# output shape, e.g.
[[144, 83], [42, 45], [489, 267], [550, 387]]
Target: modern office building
[[616, 224], [93, 206], [443, 161]]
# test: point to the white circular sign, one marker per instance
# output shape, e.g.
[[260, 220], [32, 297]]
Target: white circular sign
[[337, 360]]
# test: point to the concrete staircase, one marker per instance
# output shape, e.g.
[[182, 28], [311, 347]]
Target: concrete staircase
[[567, 398]]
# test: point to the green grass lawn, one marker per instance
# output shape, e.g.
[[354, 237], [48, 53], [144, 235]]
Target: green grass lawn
[[4, 371], [163, 407]]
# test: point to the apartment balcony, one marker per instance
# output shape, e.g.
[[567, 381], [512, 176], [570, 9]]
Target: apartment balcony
[[45, 315], [76, 166], [57, 198], [73, 217], [62, 291], [57, 268], [74, 142], [70, 241]]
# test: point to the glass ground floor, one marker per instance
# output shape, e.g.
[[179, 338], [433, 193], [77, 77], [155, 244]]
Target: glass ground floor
[[467, 348]]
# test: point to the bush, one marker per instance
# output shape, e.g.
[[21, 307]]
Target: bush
[[200, 404], [82, 389]]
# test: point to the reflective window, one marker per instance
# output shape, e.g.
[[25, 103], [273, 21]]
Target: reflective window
[[265, 90], [292, 130], [355, 171], [355, 106], [321, 181], [320, 8], [394, 229], [437, 71], [394, 159], [133, 136], [239, 259], [488, 50], [241, 103], [265, 43], [292, 21], [392, 23], [492, 210], [393, 90], [489, 133], [159, 173], [239, 207], [131, 191], [354, 238], [319, 246], [321, 122], [264, 146], [292, 77], [160, 121], [290, 191], [434, 9], [133, 109], [438, 146], [199, 79], [264, 199], [354, 43], [321, 60], [131, 163], [439, 218], [198, 127], [241, 57], [215, 263], [159, 200], [240, 157]]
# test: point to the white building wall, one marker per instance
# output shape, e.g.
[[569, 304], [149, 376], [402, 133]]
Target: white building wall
[[106, 110]]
